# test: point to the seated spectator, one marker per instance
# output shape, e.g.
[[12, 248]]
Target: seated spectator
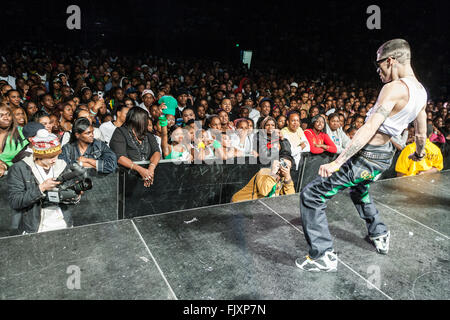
[[304, 123], [132, 142], [318, 140], [187, 114], [432, 162], [281, 122], [174, 144], [20, 116], [276, 112], [437, 136], [13, 98], [203, 148], [87, 151], [269, 182], [303, 114], [335, 132], [200, 112], [44, 119], [107, 129], [82, 113], [28, 182], [12, 140], [296, 137], [66, 116], [242, 139], [225, 105], [29, 131], [213, 126], [244, 112], [30, 109], [226, 150], [251, 125], [225, 122], [359, 122], [351, 132], [266, 142], [313, 111]]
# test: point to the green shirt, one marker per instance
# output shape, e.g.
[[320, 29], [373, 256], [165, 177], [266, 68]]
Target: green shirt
[[12, 149]]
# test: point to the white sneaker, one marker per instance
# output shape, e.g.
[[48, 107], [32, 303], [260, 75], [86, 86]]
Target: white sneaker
[[326, 263], [381, 243]]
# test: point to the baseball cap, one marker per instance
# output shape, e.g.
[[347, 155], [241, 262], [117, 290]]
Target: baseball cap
[[131, 90], [31, 128], [294, 84], [147, 91]]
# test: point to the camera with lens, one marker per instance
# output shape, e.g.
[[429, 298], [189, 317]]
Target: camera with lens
[[72, 184], [283, 163]]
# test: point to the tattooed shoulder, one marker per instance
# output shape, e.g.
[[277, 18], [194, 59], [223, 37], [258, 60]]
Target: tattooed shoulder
[[384, 111]]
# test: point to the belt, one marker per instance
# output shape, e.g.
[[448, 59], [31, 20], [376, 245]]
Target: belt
[[375, 155]]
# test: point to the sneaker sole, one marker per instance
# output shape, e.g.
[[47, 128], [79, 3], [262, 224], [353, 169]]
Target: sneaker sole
[[384, 252], [315, 269]]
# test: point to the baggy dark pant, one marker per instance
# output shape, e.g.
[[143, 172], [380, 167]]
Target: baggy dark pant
[[357, 174]]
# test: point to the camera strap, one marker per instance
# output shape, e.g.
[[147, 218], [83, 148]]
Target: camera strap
[[43, 174]]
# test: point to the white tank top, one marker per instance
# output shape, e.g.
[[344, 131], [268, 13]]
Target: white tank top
[[394, 126]]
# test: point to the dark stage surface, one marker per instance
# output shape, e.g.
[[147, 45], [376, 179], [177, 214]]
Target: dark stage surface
[[243, 251]]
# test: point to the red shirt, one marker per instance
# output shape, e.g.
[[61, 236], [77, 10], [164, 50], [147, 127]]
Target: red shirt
[[321, 138]]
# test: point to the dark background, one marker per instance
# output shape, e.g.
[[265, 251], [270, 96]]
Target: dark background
[[306, 37]]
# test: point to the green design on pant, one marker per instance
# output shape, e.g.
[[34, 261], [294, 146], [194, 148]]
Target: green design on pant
[[365, 196]]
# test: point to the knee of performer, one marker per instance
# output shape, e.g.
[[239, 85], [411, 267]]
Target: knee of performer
[[308, 194]]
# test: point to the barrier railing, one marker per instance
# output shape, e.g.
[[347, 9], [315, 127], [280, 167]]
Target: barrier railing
[[176, 187]]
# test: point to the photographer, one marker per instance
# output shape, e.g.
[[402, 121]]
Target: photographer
[[269, 182], [29, 180]]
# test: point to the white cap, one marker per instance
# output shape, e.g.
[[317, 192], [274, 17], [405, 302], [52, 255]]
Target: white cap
[[294, 84], [147, 91]]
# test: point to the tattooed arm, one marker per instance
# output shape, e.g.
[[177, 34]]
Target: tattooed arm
[[386, 101], [420, 128]]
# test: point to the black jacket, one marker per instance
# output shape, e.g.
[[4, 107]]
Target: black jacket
[[26, 199]]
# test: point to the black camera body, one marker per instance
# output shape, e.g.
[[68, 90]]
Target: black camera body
[[72, 184]]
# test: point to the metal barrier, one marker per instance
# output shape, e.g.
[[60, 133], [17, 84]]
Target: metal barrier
[[176, 187], [97, 205], [186, 186]]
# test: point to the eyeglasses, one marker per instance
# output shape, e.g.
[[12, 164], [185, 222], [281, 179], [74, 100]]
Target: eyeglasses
[[378, 62]]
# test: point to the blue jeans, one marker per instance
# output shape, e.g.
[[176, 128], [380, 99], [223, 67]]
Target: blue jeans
[[357, 173]]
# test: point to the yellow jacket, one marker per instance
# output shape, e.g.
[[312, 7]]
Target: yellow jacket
[[263, 184], [408, 167]]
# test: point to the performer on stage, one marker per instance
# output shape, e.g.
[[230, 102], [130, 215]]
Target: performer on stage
[[401, 101]]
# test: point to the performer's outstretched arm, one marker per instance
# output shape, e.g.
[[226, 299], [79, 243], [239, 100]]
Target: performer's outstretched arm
[[420, 129], [386, 101]]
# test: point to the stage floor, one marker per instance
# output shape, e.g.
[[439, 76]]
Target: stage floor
[[242, 251]]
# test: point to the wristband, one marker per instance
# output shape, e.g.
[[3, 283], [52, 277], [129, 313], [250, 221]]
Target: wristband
[[163, 121], [418, 156], [93, 113]]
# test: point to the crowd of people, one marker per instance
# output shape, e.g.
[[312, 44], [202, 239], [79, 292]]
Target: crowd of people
[[108, 110]]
